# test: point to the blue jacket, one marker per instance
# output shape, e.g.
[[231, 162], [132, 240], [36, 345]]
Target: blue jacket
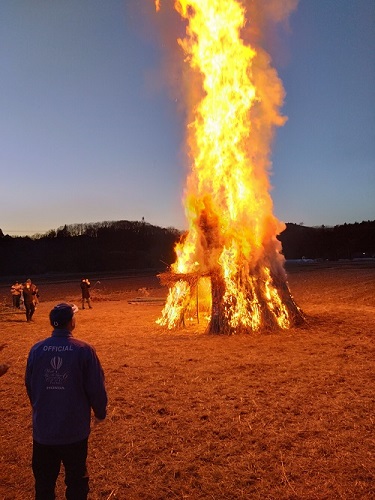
[[64, 380]]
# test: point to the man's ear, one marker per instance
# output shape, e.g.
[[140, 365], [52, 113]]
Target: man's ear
[[72, 324]]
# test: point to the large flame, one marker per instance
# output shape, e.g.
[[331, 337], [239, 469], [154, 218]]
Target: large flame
[[231, 240]]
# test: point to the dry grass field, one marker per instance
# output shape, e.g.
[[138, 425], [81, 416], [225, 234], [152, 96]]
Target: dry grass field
[[194, 416]]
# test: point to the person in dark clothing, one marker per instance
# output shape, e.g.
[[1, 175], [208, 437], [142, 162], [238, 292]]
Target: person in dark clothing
[[64, 381], [30, 294], [85, 289]]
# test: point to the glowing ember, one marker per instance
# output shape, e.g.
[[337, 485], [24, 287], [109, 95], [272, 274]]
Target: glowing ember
[[229, 265]]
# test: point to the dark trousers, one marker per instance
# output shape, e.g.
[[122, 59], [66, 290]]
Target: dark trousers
[[88, 300], [30, 309], [46, 463], [16, 301]]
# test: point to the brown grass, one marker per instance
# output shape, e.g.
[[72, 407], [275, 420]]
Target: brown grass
[[192, 416]]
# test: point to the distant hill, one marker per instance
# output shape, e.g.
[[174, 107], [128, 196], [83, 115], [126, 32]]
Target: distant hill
[[347, 241], [100, 246], [112, 246]]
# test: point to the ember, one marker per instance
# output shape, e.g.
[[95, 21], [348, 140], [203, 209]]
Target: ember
[[229, 266]]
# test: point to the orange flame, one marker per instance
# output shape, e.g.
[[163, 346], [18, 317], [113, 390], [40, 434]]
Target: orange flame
[[232, 230]]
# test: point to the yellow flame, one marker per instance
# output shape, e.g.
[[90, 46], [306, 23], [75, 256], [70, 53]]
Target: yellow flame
[[275, 303], [228, 206], [177, 301]]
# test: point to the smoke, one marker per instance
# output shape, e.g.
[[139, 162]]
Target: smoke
[[275, 11], [173, 73], [265, 20], [268, 26]]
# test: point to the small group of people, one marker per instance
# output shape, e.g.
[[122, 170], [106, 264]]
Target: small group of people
[[26, 294]]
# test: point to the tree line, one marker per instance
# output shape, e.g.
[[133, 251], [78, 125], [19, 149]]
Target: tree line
[[100, 247], [137, 245], [346, 241]]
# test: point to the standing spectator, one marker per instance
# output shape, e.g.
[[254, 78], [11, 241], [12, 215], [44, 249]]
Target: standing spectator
[[85, 289], [64, 381], [30, 293], [16, 291]]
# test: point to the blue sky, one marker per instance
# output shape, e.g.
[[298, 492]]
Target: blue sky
[[88, 132]]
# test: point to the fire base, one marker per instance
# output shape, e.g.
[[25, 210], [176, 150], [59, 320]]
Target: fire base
[[258, 304]]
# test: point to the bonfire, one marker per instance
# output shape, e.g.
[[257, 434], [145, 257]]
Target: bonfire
[[229, 268]]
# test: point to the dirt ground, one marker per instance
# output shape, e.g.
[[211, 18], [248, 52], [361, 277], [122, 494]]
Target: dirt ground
[[194, 416]]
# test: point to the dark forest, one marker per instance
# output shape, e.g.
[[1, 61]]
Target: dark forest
[[120, 246]]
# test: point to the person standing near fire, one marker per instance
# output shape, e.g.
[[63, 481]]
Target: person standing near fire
[[85, 289], [64, 381], [30, 295], [16, 291]]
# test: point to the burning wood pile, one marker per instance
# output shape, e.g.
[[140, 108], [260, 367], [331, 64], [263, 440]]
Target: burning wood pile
[[229, 266], [234, 297]]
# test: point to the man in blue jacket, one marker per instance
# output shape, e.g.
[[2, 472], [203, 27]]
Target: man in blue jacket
[[64, 381]]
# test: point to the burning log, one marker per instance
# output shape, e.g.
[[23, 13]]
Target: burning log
[[218, 322]]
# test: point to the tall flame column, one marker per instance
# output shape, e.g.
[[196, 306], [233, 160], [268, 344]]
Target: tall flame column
[[232, 231]]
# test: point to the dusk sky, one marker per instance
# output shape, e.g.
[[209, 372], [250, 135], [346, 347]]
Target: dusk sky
[[90, 134]]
